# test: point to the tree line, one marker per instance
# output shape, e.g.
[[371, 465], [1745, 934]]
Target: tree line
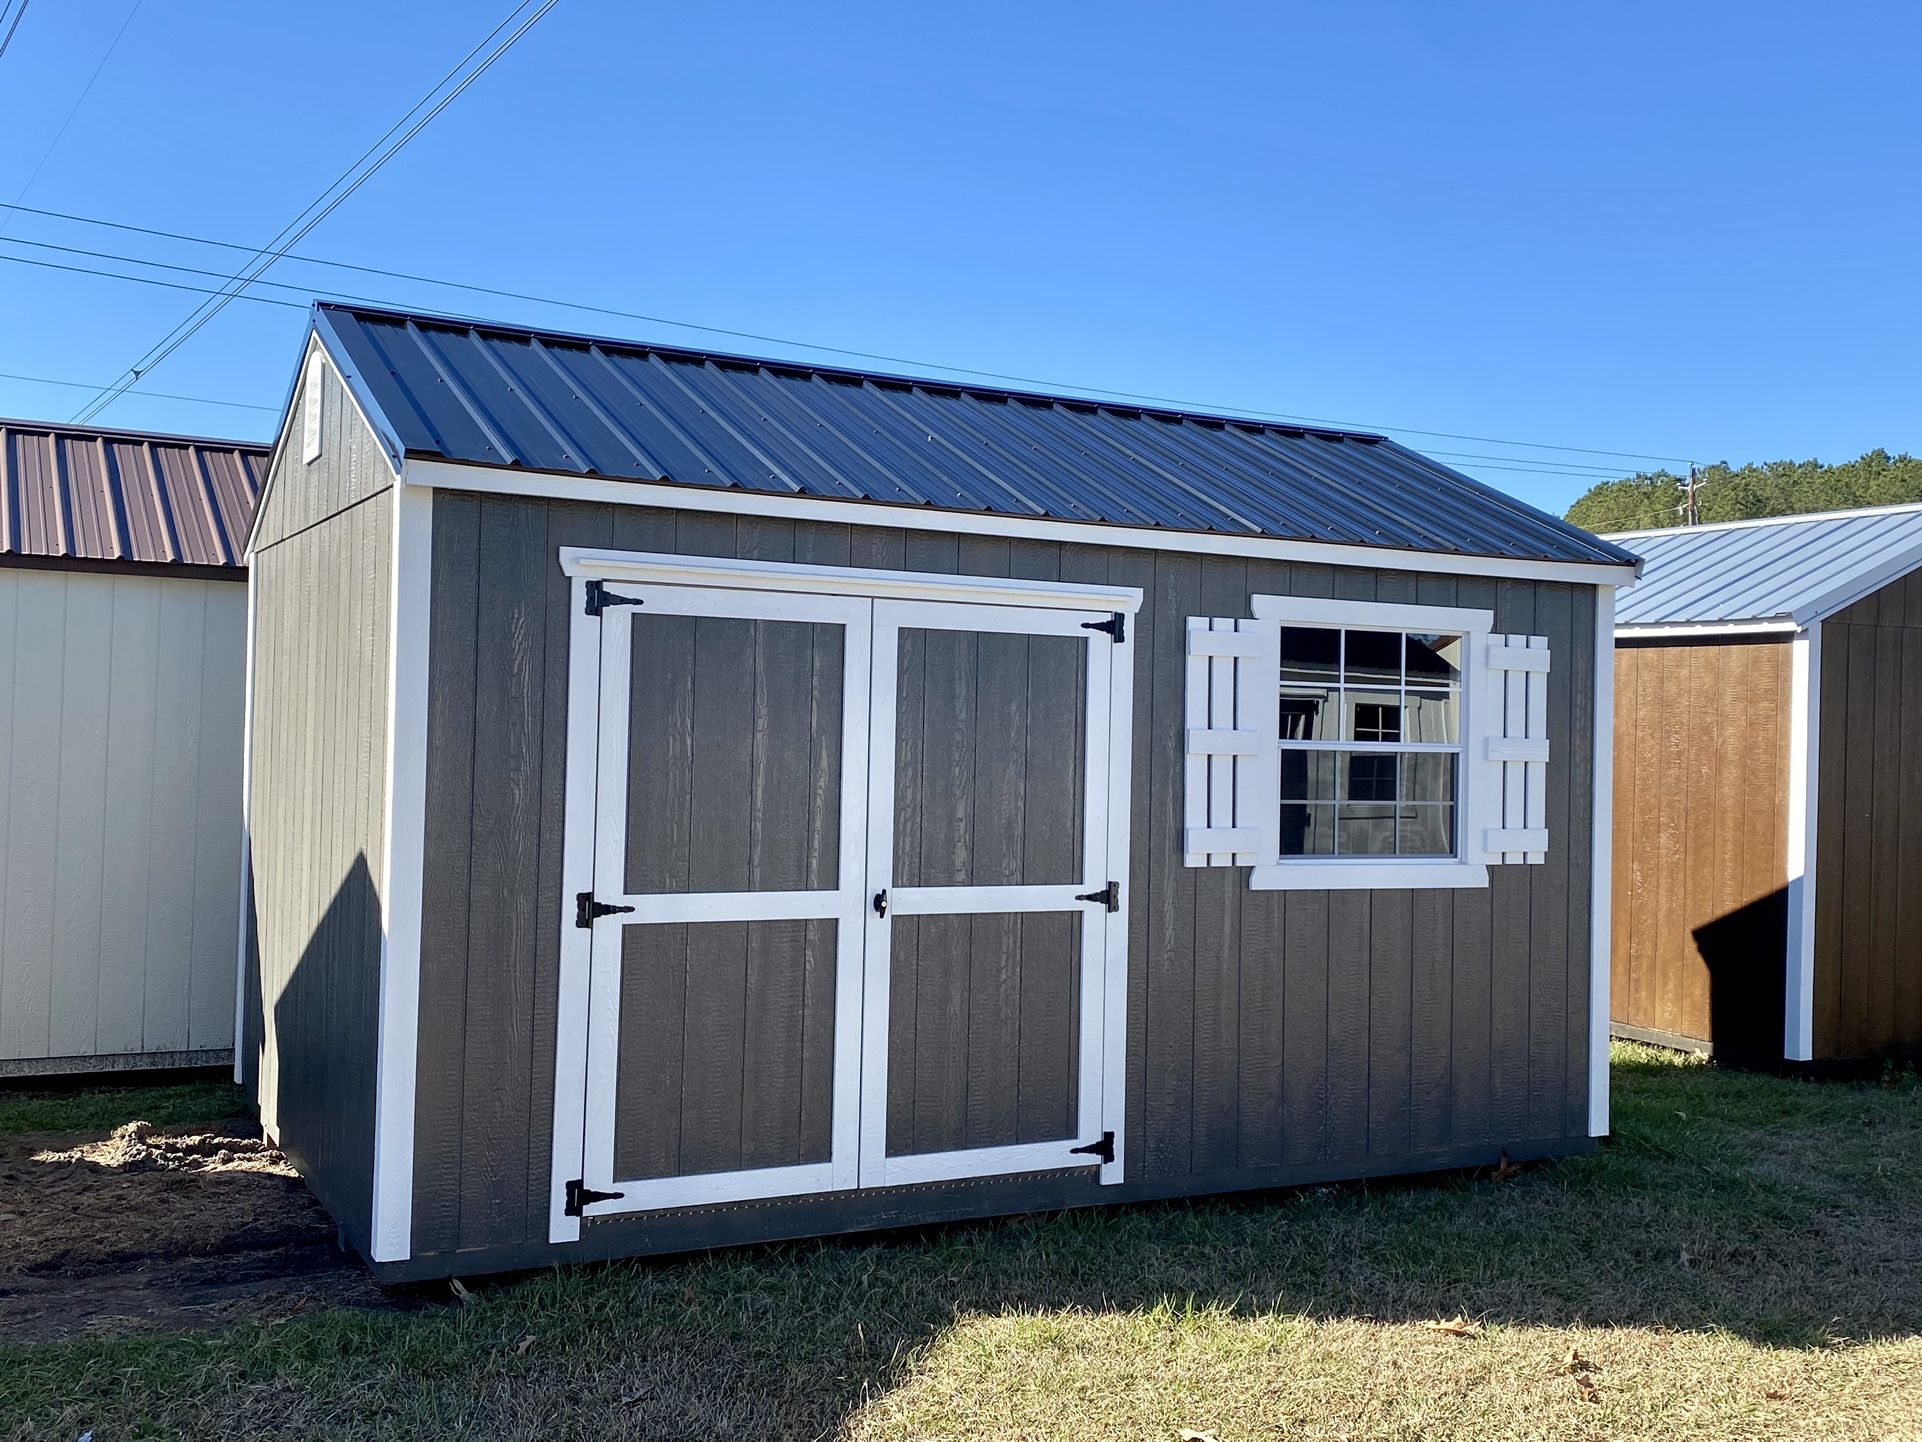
[[1723, 492]]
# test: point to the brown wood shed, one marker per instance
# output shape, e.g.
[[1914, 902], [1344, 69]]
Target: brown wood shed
[[695, 799], [1768, 788]]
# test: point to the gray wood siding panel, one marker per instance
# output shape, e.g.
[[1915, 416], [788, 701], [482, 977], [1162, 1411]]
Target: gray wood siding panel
[[319, 742], [352, 466], [1345, 1031]]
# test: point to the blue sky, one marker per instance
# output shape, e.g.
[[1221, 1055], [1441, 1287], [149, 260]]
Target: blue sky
[[1688, 230]]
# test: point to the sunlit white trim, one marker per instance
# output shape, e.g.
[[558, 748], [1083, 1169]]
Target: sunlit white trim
[[1375, 873], [403, 837], [909, 1170], [246, 839], [1760, 521], [1805, 736], [985, 900], [1601, 862], [577, 875], [1681, 630], [1370, 615], [792, 578], [708, 1188], [498, 480]]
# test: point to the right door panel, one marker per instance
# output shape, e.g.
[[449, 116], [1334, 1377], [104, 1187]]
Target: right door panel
[[987, 856]]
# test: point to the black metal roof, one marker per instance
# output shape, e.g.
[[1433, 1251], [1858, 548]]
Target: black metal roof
[[496, 395]]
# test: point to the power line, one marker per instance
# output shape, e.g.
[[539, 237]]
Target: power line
[[302, 225], [18, 15], [1565, 470], [150, 395], [767, 339], [85, 91]]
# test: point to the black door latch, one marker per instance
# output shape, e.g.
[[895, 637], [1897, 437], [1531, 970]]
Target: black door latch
[[1102, 1151], [881, 902], [1109, 896], [587, 909]]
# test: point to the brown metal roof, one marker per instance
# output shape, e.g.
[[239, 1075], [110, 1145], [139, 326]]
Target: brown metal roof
[[68, 493]]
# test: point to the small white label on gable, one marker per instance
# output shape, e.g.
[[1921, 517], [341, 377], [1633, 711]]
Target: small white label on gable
[[310, 429]]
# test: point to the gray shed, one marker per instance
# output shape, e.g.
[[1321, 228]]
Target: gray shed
[[695, 799]]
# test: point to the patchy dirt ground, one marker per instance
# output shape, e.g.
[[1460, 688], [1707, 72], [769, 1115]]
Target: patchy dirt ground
[[161, 1228]]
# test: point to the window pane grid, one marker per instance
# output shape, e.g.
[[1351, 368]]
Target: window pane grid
[[1383, 790]]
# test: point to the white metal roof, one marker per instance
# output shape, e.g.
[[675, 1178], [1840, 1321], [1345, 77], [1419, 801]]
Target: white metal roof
[[1782, 572]]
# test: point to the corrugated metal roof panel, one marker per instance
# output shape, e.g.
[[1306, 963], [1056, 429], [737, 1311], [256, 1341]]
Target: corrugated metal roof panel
[[1792, 568], [502, 396], [69, 493]]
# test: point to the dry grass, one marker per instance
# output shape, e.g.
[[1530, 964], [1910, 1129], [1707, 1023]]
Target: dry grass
[[1745, 1261]]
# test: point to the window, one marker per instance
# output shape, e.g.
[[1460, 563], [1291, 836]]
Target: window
[[1350, 744], [1370, 741]]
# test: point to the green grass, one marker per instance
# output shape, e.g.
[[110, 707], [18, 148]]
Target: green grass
[[101, 1108], [1744, 1261]]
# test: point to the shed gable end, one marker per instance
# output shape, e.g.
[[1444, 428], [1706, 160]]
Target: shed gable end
[[327, 459]]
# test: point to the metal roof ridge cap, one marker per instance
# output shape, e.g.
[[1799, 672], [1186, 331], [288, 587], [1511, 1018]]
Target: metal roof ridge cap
[[1755, 522], [475, 323], [120, 433]]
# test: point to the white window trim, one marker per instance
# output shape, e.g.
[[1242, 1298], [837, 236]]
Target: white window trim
[[1466, 869]]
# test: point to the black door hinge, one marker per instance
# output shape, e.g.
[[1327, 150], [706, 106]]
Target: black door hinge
[[1102, 1150], [586, 909], [1109, 896], [599, 598], [1116, 626], [579, 1197]]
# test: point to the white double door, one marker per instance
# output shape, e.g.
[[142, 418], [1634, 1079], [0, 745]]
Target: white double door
[[854, 918]]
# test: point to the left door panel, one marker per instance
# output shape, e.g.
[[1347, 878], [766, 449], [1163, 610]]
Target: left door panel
[[723, 1045]]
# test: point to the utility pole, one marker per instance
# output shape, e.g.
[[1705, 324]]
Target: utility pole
[[1691, 513]]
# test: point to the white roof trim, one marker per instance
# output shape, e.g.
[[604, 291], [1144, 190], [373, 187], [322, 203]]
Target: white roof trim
[[1677, 630], [516, 481]]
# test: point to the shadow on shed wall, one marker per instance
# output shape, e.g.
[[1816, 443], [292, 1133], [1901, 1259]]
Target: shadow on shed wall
[[1743, 951], [326, 1028]]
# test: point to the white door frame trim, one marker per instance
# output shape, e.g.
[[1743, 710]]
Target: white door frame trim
[[1805, 739], [796, 578], [738, 501]]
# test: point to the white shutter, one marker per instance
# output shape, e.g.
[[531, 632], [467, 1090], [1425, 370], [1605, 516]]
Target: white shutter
[[1514, 749], [1232, 785]]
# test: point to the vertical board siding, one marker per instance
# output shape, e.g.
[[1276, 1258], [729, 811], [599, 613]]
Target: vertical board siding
[[1269, 1034], [1701, 818], [352, 464], [1868, 921], [120, 795], [316, 815]]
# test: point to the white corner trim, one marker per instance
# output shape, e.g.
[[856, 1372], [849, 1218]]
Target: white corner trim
[[669, 570], [514, 481], [1805, 736], [1601, 865], [1388, 615], [1683, 630], [246, 838], [402, 839], [1383, 873]]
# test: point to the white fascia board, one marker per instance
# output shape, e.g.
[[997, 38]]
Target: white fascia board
[[1683, 630], [731, 574], [550, 485], [318, 336], [1601, 866], [1805, 736]]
